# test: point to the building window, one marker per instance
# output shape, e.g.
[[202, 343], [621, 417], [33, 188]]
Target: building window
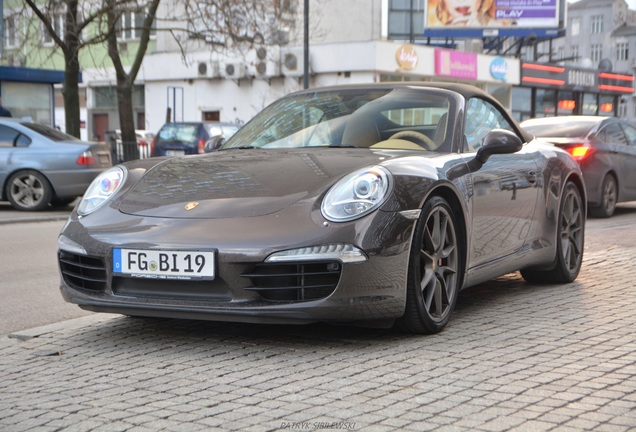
[[622, 51], [595, 52], [10, 32], [596, 24], [130, 25], [575, 26], [574, 52], [401, 16], [59, 26]]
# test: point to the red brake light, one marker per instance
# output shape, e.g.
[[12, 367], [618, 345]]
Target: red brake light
[[201, 145], [579, 152], [152, 145], [86, 158]]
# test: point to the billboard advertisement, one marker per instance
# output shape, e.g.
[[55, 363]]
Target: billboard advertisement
[[493, 18]]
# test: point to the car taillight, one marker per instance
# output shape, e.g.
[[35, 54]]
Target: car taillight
[[86, 158], [152, 146], [201, 145], [579, 152]]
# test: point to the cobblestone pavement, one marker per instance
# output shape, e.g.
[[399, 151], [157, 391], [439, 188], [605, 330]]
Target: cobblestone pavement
[[514, 357]]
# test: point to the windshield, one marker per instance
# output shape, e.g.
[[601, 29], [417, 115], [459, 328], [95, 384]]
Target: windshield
[[359, 118], [565, 129], [178, 132], [49, 132]]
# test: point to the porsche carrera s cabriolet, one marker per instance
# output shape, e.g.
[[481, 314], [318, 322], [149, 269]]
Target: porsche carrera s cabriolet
[[371, 204]]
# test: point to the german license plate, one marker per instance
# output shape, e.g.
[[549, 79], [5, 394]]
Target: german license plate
[[175, 152], [164, 264]]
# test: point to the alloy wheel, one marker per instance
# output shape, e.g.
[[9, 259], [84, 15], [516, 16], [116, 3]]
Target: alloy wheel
[[439, 264], [572, 231]]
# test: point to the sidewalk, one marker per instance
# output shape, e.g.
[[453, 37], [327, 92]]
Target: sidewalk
[[9, 215], [515, 356]]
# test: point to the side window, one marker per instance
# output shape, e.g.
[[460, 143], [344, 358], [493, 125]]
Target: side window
[[630, 131], [614, 134], [23, 141], [7, 136], [481, 118]]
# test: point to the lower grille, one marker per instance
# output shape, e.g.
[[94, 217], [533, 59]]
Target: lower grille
[[294, 281], [81, 271]]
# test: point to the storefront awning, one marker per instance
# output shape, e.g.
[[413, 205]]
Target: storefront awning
[[32, 75]]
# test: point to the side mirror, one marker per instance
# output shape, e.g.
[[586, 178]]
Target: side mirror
[[497, 141], [213, 144]]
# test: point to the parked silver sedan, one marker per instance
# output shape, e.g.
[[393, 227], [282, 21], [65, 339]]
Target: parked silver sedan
[[605, 148], [42, 166]]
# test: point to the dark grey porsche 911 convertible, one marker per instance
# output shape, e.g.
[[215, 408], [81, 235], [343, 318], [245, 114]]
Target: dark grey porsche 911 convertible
[[359, 204]]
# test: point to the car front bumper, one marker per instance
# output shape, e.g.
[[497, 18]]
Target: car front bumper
[[362, 291]]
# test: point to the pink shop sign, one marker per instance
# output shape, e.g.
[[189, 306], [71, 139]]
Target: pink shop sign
[[455, 64]]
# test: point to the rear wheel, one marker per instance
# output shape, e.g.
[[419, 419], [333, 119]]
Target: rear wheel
[[433, 279], [570, 239], [609, 198], [29, 190]]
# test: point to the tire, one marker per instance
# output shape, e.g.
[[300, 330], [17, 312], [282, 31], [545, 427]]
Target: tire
[[434, 270], [29, 190], [609, 198], [62, 202], [570, 241]]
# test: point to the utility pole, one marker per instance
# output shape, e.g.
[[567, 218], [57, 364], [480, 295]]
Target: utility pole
[[306, 47]]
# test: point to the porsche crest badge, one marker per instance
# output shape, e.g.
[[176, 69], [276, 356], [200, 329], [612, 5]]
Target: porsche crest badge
[[191, 205]]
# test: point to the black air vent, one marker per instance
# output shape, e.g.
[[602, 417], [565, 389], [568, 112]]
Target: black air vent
[[295, 281], [84, 272]]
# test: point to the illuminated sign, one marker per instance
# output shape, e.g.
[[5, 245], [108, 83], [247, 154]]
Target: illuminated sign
[[455, 64], [492, 18], [406, 57], [499, 68]]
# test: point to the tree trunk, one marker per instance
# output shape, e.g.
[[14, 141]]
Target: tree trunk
[[127, 118], [70, 92]]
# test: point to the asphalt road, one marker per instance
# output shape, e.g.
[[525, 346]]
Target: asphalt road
[[30, 281]]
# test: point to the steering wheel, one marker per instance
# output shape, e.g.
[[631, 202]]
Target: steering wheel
[[416, 137]]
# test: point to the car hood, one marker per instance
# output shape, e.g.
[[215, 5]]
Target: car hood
[[240, 183]]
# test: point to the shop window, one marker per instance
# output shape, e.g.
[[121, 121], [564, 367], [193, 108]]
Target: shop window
[[566, 104], [606, 106], [545, 103], [590, 106], [522, 103]]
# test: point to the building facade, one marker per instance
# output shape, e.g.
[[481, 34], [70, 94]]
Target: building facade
[[357, 41]]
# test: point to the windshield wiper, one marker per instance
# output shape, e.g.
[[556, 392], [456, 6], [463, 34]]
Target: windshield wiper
[[238, 148]]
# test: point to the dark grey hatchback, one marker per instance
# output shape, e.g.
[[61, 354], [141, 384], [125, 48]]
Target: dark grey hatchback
[[178, 139], [605, 148]]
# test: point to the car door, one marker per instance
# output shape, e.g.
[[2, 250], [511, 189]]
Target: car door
[[628, 161], [504, 189], [10, 141]]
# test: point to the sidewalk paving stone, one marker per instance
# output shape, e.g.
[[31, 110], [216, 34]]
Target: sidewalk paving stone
[[515, 356]]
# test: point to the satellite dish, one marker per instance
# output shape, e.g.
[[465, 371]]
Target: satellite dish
[[605, 65], [586, 63]]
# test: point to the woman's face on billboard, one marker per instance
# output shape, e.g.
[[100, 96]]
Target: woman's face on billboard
[[462, 8]]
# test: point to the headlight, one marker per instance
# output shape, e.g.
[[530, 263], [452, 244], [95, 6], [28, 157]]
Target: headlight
[[356, 195], [101, 190]]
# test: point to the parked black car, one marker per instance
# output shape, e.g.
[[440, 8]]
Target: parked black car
[[178, 139], [605, 148]]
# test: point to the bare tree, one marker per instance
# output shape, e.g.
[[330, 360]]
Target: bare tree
[[222, 25], [126, 79]]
